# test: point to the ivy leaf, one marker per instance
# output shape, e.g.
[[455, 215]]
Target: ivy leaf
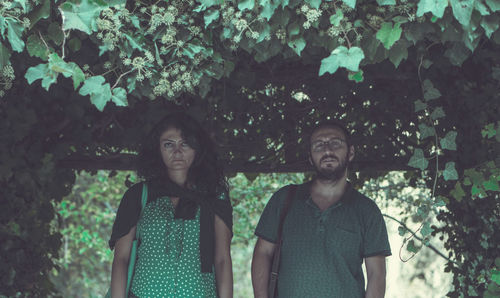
[[420, 105], [337, 17], [210, 16], [81, 15], [36, 48], [491, 184], [418, 160], [490, 25], [14, 33], [450, 172], [40, 12], [246, 4], [293, 29], [462, 10], [55, 33], [297, 44], [448, 142], [458, 192], [77, 74], [119, 97], [426, 229], [41, 71], [430, 92], [342, 57], [314, 3], [75, 44], [426, 131], [350, 3], [437, 7], [99, 92], [398, 53], [489, 131], [401, 231], [411, 247], [268, 8], [437, 113], [386, 2], [388, 35], [457, 53], [494, 5], [356, 76], [4, 56]]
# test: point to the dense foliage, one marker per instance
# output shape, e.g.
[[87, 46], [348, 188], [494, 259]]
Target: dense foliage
[[417, 82]]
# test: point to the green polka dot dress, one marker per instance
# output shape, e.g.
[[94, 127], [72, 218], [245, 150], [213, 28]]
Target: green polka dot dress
[[168, 257]]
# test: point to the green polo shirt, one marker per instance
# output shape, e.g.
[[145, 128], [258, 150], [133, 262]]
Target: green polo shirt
[[322, 252]]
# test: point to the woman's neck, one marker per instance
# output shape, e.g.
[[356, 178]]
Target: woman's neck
[[178, 177]]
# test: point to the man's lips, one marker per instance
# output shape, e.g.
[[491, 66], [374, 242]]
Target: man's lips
[[328, 159]]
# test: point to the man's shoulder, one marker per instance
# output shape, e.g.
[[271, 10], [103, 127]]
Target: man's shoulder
[[362, 202]]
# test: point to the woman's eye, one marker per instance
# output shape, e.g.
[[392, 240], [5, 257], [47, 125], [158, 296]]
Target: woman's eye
[[168, 145], [185, 145]]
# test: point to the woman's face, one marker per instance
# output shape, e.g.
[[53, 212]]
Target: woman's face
[[176, 153]]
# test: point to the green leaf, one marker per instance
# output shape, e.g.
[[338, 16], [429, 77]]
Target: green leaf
[[40, 12], [210, 16], [418, 160], [437, 7], [430, 92], [77, 74], [426, 229], [420, 105], [458, 192], [386, 2], [495, 276], [75, 44], [314, 3], [350, 3], [411, 247], [448, 142], [43, 72], [119, 97], [4, 56], [268, 8], [450, 172], [297, 44], [462, 10], [81, 15], [457, 53], [490, 25], [14, 33], [56, 33], [337, 17], [342, 57], [99, 92], [437, 113], [36, 47], [356, 76], [293, 29], [489, 131], [36, 72], [398, 53], [493, 4], [388, 35], [401, 231], [246, 4], [426, 131], [491, 184]]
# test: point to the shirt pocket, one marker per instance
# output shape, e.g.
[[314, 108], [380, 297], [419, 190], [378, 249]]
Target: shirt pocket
[[344, 241]]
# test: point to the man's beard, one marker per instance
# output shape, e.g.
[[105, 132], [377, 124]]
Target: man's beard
[[332, 174]]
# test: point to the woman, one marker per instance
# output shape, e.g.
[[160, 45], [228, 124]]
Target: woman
[[185, 227]]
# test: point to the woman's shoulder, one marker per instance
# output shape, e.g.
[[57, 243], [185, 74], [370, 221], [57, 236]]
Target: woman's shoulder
[[133, 192]]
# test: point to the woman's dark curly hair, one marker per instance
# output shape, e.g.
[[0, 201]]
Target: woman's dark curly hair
[[205, 172]]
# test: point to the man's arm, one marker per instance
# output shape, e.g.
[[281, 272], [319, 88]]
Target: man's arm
[[223, 264], [375, 275], [261, 267]]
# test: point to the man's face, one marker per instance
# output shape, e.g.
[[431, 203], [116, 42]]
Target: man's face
[[329, 153]]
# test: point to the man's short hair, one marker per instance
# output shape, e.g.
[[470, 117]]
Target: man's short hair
[[331, 124]]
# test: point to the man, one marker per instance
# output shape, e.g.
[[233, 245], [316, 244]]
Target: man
[[328, 231]]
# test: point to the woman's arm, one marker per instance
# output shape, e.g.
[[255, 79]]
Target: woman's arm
[[120, 264], [223, 263]]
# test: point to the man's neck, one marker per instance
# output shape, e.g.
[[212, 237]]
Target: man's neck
[[325, 193]]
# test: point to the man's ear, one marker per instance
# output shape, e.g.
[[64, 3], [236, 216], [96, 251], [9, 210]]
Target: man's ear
[[351, 153]]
